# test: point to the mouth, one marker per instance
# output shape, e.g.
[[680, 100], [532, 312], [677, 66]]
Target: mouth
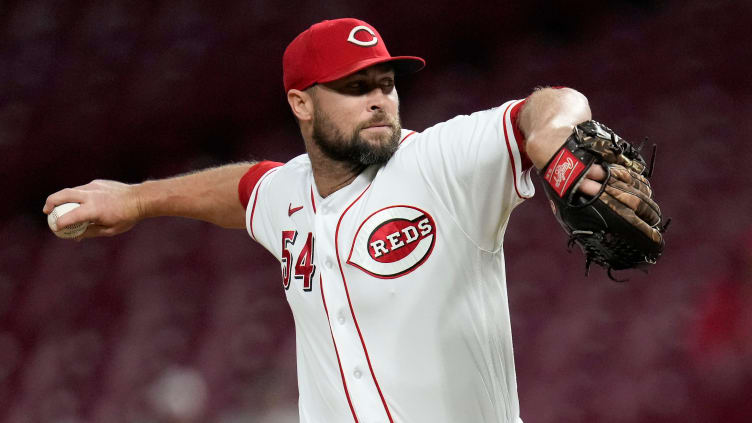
[[379, 125]]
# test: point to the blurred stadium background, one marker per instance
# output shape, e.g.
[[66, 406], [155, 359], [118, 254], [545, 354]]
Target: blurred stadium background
[[179, 321]]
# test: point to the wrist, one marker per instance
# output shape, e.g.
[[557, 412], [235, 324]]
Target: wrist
[[142, 201], [543, 144]]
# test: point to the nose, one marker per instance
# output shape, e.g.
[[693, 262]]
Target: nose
[[377, 99]]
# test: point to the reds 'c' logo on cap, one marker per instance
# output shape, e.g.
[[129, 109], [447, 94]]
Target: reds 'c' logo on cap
[[372, 42], [393, 241]]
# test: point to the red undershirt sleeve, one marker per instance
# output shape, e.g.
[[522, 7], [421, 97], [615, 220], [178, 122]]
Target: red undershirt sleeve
[[250, 179], [514, 115]]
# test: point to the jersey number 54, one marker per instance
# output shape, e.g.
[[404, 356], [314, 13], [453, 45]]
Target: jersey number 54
[[304, 267]]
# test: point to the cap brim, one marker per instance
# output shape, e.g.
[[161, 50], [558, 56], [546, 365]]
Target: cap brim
[[402, 65]]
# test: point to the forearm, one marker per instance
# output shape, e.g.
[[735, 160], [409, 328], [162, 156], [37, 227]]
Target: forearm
[[210, 195], [547, 119]]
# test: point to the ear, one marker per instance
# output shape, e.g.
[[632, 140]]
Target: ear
[[301, 104]]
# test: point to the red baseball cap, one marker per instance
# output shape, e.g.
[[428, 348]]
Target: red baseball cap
[[330, 50]]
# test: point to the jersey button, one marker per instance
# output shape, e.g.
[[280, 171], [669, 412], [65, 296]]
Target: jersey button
[[341, 318], [329, 264], [357, 373]]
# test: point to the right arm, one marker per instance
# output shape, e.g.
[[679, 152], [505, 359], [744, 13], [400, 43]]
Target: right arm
[[210, 195]]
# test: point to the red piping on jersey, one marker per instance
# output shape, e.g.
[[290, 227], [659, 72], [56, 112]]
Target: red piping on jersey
[[255, 197], [406, 136], [336, 351], [514, 116], [313, 201], [251, 178], [509, 149], [352, 312]]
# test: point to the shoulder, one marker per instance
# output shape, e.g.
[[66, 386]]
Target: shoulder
[[267, 172], [406, 137], [498, 116], [300, 162], [299, 166]]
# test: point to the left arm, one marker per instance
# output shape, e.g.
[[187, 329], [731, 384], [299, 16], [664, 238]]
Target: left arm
[[547, 119], [616, 222]]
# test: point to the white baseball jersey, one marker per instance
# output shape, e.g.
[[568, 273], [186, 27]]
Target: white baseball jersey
[[396, 282]]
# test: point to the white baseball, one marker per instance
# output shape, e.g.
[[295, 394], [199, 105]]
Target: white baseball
[[70, 231]]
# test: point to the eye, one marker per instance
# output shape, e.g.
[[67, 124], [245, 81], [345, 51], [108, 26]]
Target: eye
[[357, 85], [387, 84]]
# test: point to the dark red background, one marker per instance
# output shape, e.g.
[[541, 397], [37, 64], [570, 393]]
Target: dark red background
[[110, 330]]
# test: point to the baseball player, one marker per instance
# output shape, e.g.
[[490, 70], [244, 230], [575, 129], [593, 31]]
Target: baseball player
[[389, 240]]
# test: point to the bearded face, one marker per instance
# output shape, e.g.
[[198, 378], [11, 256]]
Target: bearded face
[[370, 142]]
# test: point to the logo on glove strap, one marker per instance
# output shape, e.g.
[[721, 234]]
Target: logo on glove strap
[[393, 241], [563, 171], [560, 173]]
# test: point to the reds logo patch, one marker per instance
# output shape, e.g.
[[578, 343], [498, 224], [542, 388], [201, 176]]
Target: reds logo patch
[[393, 241]]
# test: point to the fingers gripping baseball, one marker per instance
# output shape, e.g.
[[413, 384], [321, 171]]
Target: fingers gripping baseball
[[110, 207]]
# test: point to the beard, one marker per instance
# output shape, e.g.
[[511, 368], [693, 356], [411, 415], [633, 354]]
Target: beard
[[354, 149]]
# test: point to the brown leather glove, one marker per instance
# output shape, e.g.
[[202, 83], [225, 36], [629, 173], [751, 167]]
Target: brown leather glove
[[619, 228]]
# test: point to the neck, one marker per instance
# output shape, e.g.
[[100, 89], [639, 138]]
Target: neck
[[330, 175]]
